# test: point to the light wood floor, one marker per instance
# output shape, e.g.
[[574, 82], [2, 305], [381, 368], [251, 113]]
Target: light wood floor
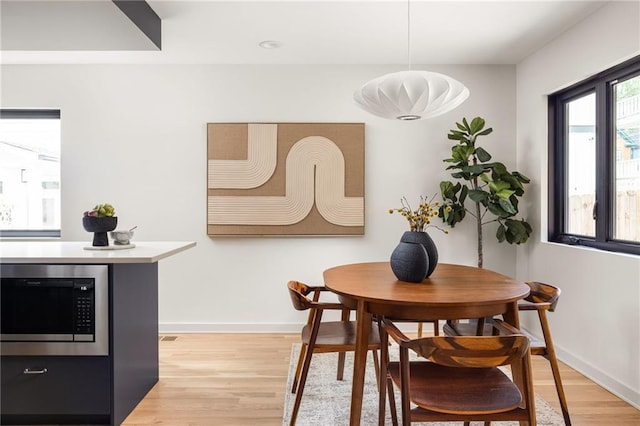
[[239, 379]]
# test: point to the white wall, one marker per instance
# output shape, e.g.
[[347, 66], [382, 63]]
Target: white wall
[[134, 136], [597, 325]]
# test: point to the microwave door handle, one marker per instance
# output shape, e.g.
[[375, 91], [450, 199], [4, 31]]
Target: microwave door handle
[[34, 371]]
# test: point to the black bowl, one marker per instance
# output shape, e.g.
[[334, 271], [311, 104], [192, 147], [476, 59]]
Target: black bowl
[[99, 226]]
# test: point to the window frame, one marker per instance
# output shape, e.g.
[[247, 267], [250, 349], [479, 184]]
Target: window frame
[[602, 85], [26, 113]]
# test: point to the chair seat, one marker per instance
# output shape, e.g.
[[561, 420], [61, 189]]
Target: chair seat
[[447, 389], [339, 333]]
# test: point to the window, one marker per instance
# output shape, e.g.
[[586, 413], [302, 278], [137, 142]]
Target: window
[[29, 172], [594, 170]]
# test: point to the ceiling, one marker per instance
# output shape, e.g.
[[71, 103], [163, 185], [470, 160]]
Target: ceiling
[[310, 32]]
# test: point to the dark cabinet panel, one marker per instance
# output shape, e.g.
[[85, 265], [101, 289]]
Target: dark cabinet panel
[[134, 327], [75, 386]]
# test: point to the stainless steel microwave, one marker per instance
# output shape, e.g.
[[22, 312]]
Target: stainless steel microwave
[[54, 310]]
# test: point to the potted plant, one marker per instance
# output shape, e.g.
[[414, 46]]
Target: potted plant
[[100, 220], [487, 186]]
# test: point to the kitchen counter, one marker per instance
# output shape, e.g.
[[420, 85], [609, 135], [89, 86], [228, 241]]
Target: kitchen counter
[[84, 388], [52, 252]]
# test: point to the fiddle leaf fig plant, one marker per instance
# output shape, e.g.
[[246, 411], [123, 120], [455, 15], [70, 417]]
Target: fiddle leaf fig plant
[[486, 186]]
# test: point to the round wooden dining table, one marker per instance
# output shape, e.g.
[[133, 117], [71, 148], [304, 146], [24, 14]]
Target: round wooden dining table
[[451, 292]]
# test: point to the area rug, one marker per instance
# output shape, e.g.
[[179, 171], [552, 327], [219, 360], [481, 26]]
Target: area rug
[[326, 401]]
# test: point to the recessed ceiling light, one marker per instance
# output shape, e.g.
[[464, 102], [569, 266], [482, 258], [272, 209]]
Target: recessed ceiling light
[[270, 44]]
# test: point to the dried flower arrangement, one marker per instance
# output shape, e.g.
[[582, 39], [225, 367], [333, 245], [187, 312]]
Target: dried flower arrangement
[[420, 219]]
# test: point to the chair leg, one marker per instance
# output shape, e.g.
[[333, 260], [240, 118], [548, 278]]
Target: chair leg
[[405, 366], [296, 378], [303, 379], [551, 357], [436, 328], [305, 367], [376, 366], [341, 358], [382, 378], [392, 402], [480, 327], [341, 355]]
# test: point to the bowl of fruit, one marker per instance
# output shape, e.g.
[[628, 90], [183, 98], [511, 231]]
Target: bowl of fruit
[[100, 220]]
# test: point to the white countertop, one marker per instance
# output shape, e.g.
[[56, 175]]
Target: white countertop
[[75, 252]]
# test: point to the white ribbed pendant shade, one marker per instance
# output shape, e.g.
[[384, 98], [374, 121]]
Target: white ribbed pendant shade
[[411, 95]]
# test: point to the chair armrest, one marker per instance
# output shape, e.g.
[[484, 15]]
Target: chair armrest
[[328, 306], [525, 305], [394, 331], [505, 328], [316, 290]]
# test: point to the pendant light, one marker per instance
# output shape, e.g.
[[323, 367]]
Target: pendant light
[[410, 95]]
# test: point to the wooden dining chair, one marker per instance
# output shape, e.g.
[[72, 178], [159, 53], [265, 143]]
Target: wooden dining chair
[[323, 337], [456, 378], [542, 298]]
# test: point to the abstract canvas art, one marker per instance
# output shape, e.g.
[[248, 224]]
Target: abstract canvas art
[[285, 179]]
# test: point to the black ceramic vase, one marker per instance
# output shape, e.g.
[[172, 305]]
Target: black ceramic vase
[[409, 262], [99, 226], [425, 240]]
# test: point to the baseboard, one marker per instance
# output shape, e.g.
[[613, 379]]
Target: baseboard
[[596, 375], [241, 328], [600, 377], [246, 328]]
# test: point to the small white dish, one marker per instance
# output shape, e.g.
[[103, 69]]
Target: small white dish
[[121, 237]]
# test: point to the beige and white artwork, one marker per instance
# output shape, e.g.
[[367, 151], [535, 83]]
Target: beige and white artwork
[[285, 179]]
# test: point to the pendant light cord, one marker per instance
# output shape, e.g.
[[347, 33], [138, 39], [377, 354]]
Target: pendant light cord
[[409, 33]]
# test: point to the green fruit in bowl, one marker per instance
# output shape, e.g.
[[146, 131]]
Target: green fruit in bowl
[[101, 210]]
